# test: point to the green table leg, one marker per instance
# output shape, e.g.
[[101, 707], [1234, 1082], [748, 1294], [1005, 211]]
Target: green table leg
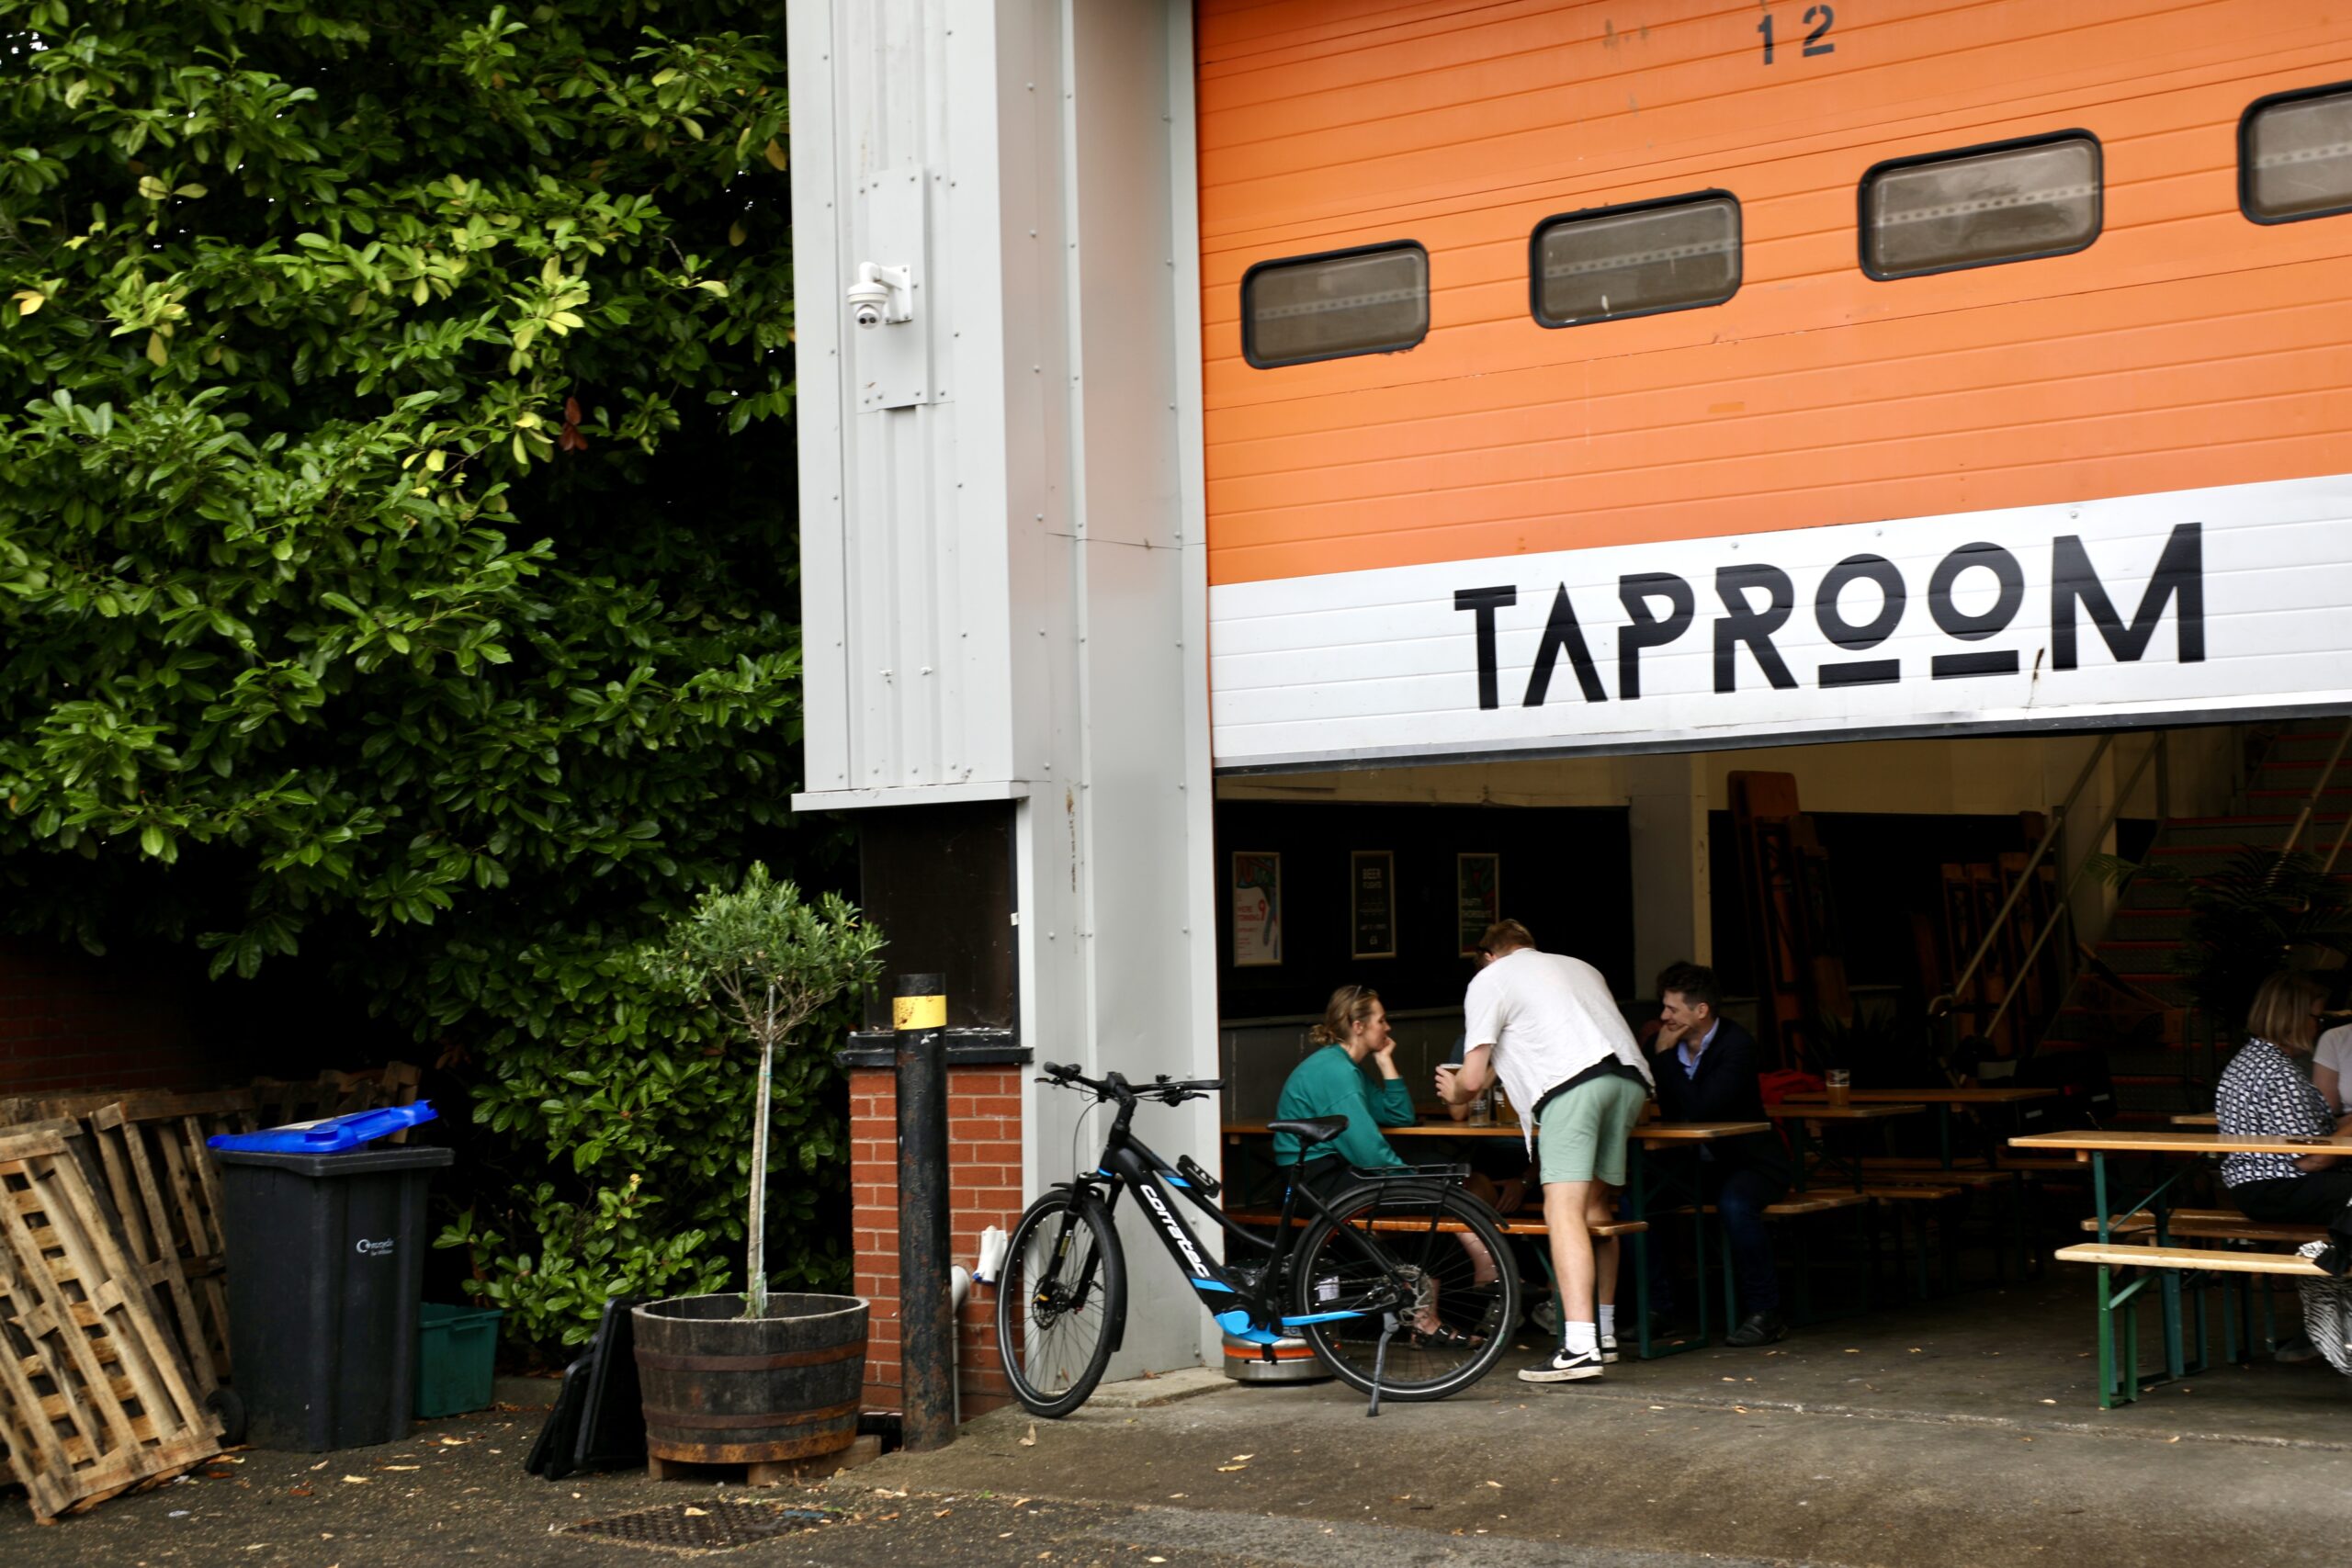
[[2131, 1353], [2107, 1382], [1637, 1183]]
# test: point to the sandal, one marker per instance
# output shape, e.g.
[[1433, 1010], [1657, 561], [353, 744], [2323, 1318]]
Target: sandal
[[1447, 1334]]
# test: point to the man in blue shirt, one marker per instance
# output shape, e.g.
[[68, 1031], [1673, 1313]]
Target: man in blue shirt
[[1707, 1067]]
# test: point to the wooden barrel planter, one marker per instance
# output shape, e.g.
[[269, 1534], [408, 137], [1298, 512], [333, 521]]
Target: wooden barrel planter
[[723, 1389]]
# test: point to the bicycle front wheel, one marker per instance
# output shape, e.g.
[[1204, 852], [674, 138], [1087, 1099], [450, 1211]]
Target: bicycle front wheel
[[1062, 1294], [1434, 1259]]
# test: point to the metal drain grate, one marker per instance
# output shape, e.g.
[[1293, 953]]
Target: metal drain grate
[[696, 1530]]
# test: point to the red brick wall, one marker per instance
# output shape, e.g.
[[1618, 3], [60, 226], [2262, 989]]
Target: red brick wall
[[69, 1021], [984, 1190]]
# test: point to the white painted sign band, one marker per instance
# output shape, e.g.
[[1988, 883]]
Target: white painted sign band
[[2191, 604]]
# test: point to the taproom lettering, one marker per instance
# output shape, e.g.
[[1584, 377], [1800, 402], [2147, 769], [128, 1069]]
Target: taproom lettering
[[1756, 601]]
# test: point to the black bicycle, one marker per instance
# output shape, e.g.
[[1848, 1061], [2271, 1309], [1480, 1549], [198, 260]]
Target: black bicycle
[[1402, 1283]]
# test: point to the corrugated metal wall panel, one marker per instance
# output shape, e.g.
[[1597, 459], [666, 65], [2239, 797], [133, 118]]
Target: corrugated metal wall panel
[[2186, 348], [910, 670]]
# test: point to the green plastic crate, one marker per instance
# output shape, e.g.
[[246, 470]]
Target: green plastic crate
[[456, 1350]]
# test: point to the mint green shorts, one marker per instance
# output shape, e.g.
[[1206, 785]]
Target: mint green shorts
[[1582, 1135]]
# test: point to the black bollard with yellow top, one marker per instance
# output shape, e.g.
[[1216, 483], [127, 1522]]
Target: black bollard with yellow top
[[926, 1302]]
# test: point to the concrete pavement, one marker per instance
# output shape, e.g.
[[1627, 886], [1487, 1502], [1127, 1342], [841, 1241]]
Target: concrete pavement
[[1960, 1433]]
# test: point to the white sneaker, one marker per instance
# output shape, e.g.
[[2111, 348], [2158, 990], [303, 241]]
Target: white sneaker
[[1565, 1366], [1608, 1348]]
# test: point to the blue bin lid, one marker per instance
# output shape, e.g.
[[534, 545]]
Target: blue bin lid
[[330, 1135]]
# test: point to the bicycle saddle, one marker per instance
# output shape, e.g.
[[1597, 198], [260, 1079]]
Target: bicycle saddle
[[1312, 1131]]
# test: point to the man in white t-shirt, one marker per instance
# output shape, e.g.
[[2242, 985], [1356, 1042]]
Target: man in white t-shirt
[[1547, 1026]]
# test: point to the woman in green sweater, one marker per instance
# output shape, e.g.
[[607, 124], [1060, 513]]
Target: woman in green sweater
[[1331, 1083]]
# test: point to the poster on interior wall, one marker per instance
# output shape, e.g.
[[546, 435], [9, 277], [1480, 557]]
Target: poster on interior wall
[[1257, 908], [1477, 896], [1372, 903]]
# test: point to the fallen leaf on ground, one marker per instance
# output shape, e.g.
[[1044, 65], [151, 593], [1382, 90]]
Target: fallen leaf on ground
[[454, 1442], [697, 1513], [1229, 1469], [356, 1480], [1243, 1459], [1031, 1440], [403, 1467], [1495, 1484]]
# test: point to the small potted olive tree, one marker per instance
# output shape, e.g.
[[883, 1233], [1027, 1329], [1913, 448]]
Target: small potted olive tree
[[756, 1379]]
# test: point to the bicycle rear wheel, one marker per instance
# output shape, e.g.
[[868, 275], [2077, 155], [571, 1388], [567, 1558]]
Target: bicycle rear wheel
[[1434, 1242], [1062, 1294]]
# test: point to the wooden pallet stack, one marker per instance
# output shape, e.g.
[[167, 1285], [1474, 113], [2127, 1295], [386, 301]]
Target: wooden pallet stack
[[280, 1102], [114, 1323], [166, 1193], [99, 1399]]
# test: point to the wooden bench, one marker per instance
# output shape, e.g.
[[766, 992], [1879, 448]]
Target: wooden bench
[[2216, 1225], [1933, 1175], [2143, 1259], [1810, 1203], [2002, 1162], [2147, 1255], [1521, 1224]]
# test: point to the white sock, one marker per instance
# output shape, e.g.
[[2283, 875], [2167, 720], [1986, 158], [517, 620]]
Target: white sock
[[1580, 1339], [1609, 1320]]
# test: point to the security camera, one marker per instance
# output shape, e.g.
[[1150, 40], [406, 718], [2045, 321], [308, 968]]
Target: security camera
[[880, 294]]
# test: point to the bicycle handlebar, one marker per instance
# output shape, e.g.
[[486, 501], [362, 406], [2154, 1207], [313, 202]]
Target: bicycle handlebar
[[1112, 1086]]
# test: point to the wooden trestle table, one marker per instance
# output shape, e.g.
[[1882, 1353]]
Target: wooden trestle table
[[2093, 1145]]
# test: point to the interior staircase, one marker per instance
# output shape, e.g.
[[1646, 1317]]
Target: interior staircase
[[2161, 1054]]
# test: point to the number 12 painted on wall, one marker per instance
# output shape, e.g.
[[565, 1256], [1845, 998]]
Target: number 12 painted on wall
[[1821, 18]]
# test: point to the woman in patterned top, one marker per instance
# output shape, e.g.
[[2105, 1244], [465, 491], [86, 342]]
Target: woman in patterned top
[[2263, 1093]]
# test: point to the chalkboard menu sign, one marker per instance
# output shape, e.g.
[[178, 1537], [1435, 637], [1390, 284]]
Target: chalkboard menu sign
[[1371, 902]]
